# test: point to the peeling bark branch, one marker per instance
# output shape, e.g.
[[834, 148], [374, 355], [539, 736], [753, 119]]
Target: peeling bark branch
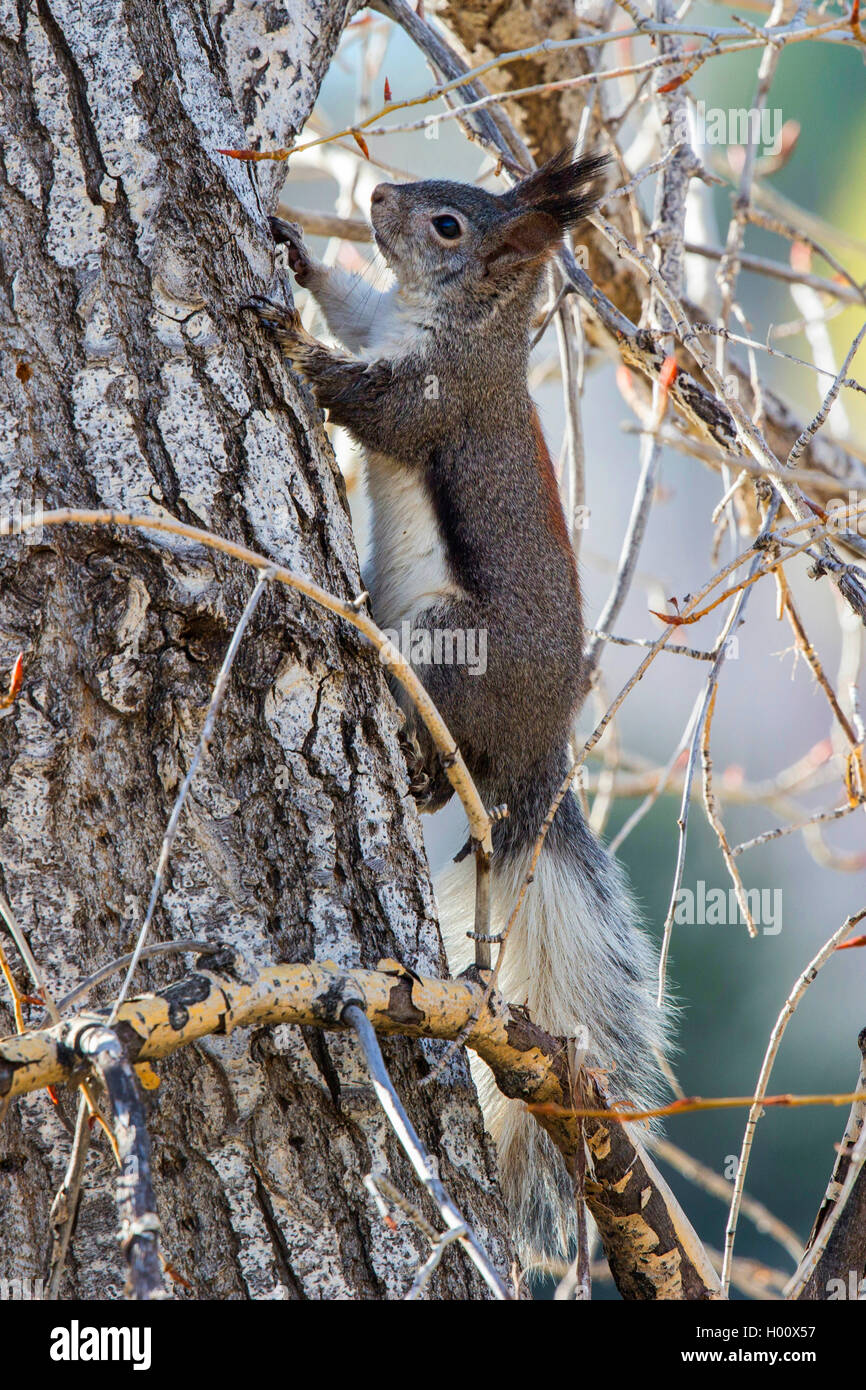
[[652, 1249]]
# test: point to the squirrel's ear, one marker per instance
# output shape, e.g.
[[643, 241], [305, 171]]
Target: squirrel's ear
[[521, 238]]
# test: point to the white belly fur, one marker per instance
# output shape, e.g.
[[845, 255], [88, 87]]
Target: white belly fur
[[408, 568]]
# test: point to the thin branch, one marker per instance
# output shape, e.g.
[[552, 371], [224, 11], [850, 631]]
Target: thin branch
[[733, 620], [800, 986], [405, 1131], [693, 1105], [750, 437], [17, 997], [753, 343], [27, 955], [719, 43], [156, 948], [775, 270], [64, 1208], [715, 819], [820, 816], [694, 652], [812, 428], [660, 782], [785, 229], [632, 541], [380, 1187]]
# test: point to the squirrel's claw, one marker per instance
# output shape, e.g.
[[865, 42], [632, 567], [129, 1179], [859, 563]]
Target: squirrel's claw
[[284, 324], [419, 779], [271, 313], [290, 235], [286, 233]]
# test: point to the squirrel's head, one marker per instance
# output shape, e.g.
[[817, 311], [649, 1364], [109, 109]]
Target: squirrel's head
[[452, 240]]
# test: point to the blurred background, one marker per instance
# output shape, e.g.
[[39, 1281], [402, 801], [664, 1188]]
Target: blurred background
[[769, 713]]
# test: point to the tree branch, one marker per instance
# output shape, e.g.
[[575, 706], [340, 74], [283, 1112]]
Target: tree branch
[[653, 1251]]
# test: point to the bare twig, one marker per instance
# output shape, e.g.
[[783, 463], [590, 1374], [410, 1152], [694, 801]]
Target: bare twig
[[735, 617], [17, 996], [156, 948], [28, 957], [820, 816], [812, 428], [64, 1208], [775, 270], [618, 641], [800, 986], [715, 819], [635, 531], [417, 1155]]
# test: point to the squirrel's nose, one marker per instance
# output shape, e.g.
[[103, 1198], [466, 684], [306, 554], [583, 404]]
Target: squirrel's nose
[[380, 193]]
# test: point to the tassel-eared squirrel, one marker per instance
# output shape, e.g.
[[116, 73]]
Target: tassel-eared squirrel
[[468, 533]]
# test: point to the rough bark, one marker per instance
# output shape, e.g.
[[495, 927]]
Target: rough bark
[[132, 378]]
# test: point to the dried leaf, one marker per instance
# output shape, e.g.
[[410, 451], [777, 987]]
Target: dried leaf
[[253, 156], [15, 681], [675, 82], [668, 373]]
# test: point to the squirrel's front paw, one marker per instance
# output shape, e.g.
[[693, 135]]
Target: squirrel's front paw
[[278, 317], [284, 325], [290, 235]]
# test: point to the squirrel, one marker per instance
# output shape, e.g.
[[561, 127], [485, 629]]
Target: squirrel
[[468, 533]]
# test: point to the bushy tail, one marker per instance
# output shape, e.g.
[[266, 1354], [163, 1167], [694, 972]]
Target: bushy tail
[[575, 956]]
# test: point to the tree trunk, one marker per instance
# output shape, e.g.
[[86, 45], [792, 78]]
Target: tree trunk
[[133, 379]]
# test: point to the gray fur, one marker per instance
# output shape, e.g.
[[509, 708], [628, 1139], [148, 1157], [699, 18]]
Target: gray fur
[[468, 533]]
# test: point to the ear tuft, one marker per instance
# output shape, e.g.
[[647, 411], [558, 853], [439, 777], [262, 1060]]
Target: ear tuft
[[567, 190]]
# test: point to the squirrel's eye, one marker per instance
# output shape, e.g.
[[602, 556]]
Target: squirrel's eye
[[447, 226]]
